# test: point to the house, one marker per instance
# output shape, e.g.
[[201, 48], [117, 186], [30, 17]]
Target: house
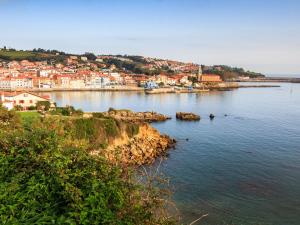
[[23, 99], [16, 83], [77, 83], [161, 79], [99, 81], [99, 60], [83, 58], [151, 84], [207, 78], [62, 81]]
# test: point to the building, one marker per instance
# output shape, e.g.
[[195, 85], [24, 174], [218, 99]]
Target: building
[[23, 99], [16, 83], [207, 78], [199, 73], [83, 58], [77, 83], [151, 85], [62, 81]]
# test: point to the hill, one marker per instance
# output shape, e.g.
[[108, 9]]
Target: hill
[[128, 63]]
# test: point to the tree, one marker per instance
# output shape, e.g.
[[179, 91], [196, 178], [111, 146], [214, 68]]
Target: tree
[[90, 56], [43, 105]]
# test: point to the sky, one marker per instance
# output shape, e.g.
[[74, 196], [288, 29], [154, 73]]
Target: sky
[[259, 35]]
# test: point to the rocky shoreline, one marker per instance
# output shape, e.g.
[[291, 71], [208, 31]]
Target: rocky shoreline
[[187, 116], [143, 148], [130, 116]]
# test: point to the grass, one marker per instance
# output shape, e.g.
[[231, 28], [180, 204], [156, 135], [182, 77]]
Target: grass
[[27, 117], [17, 54], [25, 55]]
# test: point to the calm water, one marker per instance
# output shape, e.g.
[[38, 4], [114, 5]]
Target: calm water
[[241, 169]]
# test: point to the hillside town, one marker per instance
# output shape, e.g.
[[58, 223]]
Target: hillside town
[[81, 73], [23, 73]]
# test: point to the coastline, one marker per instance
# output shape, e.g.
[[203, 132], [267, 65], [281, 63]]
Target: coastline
[[212, 87]]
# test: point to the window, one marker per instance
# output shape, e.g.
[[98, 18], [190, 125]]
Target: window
[[21, 101], [25, 95], [30, 101]]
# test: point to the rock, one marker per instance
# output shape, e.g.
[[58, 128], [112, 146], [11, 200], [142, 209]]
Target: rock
[[211, 116], [187, 116], [127, 115], [143, 148]]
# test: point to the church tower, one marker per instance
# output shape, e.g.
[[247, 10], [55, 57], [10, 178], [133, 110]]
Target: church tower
[[199, 73]]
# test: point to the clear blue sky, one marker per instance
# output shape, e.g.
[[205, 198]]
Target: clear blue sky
[[261, 35]]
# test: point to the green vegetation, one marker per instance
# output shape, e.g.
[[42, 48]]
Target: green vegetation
[[28, 117], [67, 111], [227, 72], [12, 54], [16, 55], [48, 177], [132, 66], [43, 105]]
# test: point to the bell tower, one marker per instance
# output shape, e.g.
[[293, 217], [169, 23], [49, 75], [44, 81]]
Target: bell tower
[[199, 73]]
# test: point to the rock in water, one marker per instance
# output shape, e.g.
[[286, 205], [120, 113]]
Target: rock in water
[[129, 116], [187, 116]]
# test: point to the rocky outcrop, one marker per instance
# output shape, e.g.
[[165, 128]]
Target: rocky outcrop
[[129, 116], [187, 116], [141, 149]]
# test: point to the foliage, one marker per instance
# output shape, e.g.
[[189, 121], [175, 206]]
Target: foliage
[[8, 119], [28, 118], [43, 105], [67, 111], [43, 180], [18, 107], [90, 56], [98, 115], [133, 66], [32, 107], [227, 72], [35, 55], [132, 129]]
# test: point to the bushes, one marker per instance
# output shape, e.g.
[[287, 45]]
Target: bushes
[[45, 181], [67, 111], [9, 119], [18, 108], [31, 107], [43, 105], [41, 183]]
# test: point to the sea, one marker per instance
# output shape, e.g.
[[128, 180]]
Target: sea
[[242, 167]]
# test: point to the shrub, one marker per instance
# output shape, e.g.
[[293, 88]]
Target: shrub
[[98, 115], [132, 129], [45, 180], [43, 105], [18, 107], [31, 107], [42, 182]]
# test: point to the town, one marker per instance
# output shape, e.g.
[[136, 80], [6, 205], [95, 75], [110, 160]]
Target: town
[[24, 72], [64, 71]]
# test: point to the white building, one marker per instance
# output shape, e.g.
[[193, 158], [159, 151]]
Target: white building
[[16, 83], [23, 99]]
